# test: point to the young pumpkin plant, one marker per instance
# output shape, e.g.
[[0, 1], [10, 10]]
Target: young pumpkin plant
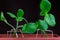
[[49, 20], [19, 17], [26, 27]]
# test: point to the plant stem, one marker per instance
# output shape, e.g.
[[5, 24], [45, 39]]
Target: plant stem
[[12, 27], [16, 29], [43, 32], [25, 20], [9, 24], [17, 25], [15, 33], [20, 26]]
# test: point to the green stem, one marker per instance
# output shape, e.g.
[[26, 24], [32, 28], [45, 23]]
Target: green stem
[[20, 26], [12, 27], [17, 29], [17, 25], [25, 20], [9, 24]]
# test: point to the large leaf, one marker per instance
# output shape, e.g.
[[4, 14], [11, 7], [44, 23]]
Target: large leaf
[[29, 28], [19, 18], [50, 19], [42, 25], [20, 13], [45, 6], [2, 17], [11, 15]]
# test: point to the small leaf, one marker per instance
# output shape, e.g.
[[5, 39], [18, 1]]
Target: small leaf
[[19, 18], [50, 19], [45, 6], [20, 13], [42, 25], [11, 15], [29, 28], [2, 16]]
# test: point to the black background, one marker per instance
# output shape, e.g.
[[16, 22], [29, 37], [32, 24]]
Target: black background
[[31, 9]]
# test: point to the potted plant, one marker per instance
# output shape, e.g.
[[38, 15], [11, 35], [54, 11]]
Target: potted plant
[[32, 27]]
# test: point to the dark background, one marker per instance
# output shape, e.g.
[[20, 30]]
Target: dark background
[[31, 9]]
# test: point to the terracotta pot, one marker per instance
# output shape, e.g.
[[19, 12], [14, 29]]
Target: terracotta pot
[[30, 37]]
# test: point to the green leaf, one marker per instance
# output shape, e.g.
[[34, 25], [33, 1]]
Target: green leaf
[[29, 28], [2, 16], [45, 6], [42, 25], [50, 19], [19, 18], [20, 13], [11, 15]]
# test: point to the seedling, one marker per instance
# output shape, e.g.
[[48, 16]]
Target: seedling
[[19, 17], [49, 19]]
